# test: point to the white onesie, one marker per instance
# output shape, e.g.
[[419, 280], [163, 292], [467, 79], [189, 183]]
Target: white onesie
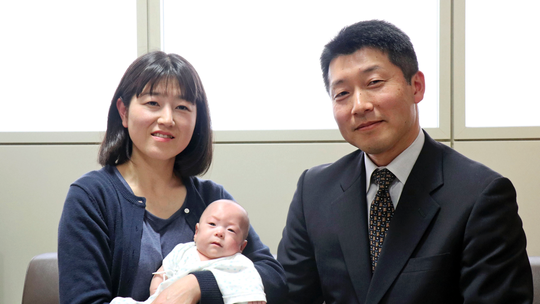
[[236, 276]]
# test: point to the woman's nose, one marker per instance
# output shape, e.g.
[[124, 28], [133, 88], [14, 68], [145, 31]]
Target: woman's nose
[[166, 116]]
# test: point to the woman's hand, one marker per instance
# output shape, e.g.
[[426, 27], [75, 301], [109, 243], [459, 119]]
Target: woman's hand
[[184, 291]]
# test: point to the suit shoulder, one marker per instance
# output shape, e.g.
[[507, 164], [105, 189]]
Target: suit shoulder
[[458, 164], [346, 167], [340, 164]]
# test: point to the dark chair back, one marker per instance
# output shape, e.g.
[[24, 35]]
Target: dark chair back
[[41, 283]]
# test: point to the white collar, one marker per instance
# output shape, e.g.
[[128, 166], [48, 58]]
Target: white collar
[[402, 165]]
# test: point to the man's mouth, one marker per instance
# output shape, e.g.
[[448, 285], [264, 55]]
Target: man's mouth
[[367, 124]]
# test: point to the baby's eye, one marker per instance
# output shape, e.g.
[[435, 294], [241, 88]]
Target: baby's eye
[[212, 224], [232, 230]]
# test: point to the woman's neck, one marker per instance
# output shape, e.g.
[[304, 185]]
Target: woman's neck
[[164, 191], [150, 178]]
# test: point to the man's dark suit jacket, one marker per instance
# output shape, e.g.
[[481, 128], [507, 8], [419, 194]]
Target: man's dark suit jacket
[[455, 236]]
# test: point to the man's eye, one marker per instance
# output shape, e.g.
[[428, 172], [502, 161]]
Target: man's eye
[[341, 94], [374, 82]]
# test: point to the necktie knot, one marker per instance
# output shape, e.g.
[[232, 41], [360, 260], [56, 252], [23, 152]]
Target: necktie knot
[[383, 178]]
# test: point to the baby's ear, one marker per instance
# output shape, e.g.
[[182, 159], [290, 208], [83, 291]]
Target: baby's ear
[[196, 230], [243, 246]]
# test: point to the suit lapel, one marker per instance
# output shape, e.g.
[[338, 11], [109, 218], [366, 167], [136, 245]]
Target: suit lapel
[[414, 213], [350, 216]]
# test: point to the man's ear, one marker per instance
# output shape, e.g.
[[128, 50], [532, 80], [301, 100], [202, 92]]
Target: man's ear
[[196, 231], [419, 85], [243, 246], [123, 111]]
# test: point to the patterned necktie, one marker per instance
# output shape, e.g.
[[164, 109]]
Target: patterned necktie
[[380, 214]]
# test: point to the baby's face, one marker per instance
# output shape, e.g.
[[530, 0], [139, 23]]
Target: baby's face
[[220, 231]]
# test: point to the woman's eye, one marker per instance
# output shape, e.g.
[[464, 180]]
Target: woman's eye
[[152, 103], [182, 107]]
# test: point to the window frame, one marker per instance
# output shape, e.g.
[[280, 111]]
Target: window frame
[[442, 133], [451, 92], [461, 131]]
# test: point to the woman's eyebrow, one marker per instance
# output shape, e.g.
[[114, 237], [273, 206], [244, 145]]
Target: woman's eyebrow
[[179, 96]]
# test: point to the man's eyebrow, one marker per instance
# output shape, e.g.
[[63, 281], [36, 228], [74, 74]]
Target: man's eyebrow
[[370, 69], [364, 71], [335, 83]]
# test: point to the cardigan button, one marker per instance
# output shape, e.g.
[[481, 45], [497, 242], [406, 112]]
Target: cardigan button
[[186, 210]]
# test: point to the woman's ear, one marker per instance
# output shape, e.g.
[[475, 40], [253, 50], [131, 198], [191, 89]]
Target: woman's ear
[[123, 111]]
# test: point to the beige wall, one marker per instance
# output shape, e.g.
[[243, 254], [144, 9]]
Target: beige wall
[[33, 184], [262, 177]]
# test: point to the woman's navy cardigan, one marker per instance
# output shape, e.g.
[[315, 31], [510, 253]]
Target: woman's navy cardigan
[[99, 241]]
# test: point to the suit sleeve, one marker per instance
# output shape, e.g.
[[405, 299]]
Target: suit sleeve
[[495, 266], [296, 254]]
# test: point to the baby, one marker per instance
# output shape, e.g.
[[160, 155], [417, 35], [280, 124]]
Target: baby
[[220, 237]]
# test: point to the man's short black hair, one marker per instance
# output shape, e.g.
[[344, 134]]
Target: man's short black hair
[[376, 34]]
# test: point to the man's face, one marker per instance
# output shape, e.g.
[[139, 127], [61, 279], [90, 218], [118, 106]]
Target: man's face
[[374, 106]]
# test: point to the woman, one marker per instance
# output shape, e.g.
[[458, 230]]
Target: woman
[[119, 222]]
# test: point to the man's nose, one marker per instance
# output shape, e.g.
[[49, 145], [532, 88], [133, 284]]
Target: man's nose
[[361, 103]]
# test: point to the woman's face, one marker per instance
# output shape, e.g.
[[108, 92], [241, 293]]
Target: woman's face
[[160, 123]]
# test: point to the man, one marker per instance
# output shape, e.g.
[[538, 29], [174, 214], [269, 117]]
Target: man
[[434, 227]]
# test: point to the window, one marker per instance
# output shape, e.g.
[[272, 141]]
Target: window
[[502, 64], [259, 61], [62, 61]]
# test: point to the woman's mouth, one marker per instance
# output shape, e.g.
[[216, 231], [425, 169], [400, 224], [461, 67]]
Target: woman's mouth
[[162, 135]]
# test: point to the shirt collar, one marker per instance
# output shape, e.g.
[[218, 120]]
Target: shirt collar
[[402, 165]]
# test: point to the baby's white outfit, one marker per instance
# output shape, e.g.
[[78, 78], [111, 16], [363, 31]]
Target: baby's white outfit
[[236, 276]]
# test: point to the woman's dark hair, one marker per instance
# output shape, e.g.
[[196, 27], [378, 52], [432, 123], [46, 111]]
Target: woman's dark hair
[[148, 71], [377, 34]]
